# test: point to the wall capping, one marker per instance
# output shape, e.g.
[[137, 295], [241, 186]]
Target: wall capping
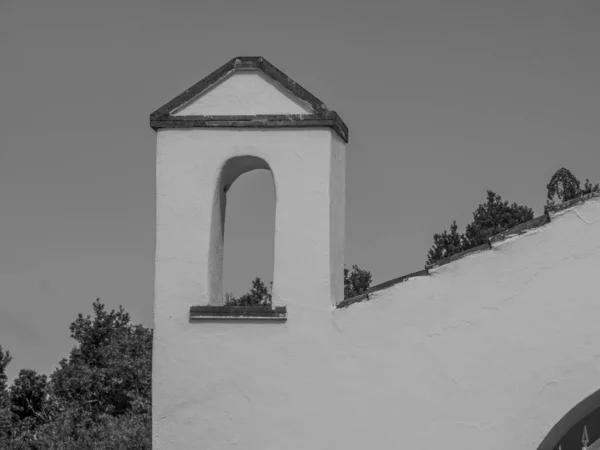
[[452, 258], [328, 120], [521, 228], [536, 222], [163, 117], [552, 210], [386, 284], [227, 313]]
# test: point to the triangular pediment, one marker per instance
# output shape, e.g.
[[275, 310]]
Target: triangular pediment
[[247, 92], [244, 92]]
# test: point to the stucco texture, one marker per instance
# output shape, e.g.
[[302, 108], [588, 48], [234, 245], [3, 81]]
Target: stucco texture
[[246, 92], [194, 169], [491, 350]]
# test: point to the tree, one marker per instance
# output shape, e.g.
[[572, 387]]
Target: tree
[[445, 244], [5, 360], [564, 186], [492, 217], [489, 218], [259, 295], [356, 282], [28, 395], [98, 398], [109, 371], [5, 413]]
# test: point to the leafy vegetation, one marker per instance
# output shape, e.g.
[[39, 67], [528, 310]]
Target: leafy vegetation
[[489, 218], [98, 398], [495, 216], [564, 186], [356, 282], [259, 295]]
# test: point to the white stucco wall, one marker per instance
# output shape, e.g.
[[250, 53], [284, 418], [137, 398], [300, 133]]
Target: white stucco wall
[[192, 170], [245, 92], [490, 351]]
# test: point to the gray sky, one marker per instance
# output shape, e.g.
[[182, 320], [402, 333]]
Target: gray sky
[[443, 100]]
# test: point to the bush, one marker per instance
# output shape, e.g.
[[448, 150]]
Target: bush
[[356, 282], [259, 295], [98, 398], [489, 218], [564, 186]]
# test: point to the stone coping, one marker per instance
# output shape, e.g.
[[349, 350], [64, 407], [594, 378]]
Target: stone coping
[[279, 313], [252, 313], [163, 117], [386, 284], [515, 231], [566, 205]]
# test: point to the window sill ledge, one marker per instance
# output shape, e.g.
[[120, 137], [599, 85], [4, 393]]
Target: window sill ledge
[[238, 313]]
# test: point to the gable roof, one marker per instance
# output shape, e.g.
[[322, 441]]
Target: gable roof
[[322, 116]]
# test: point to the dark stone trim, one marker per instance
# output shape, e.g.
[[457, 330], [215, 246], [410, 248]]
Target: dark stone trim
[[278, 313], [452, 258], [193, 91], [584, 408], [402, 279], [349, 301], [570, 203], [330, 120], [323, 117], [521, 228], [298, 91], [386, 284]]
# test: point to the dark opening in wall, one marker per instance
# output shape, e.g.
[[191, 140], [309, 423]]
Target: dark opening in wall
[[249, 232]]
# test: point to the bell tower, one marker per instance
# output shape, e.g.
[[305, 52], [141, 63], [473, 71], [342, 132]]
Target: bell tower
[[246, 115]]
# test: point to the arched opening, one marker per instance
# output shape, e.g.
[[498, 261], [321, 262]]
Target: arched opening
[[243, 231], [578, 429]]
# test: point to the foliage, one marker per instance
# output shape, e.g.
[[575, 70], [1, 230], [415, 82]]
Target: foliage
[[445, 244], [492, 217], [110, 369], [259, 295], [356, 282], [564, 186], [5, 413], [5, 359], [489, 218], [98, 398], [28, 395]]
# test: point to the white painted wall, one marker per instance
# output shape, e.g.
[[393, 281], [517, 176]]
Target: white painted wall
[[245, 92], [490, 351], [192, 170]]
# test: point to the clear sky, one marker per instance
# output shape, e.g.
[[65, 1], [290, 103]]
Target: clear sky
[[443, 99]]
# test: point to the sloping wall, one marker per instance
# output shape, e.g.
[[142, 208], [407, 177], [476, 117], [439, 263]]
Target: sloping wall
[[489, 351]]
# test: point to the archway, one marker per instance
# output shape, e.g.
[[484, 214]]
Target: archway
[[578, 429], [245, 207]]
